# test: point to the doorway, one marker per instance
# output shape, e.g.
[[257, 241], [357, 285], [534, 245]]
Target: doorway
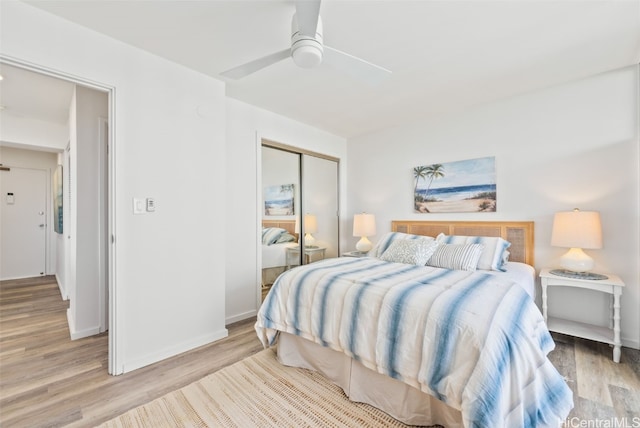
[[23, 222], [83, 251]]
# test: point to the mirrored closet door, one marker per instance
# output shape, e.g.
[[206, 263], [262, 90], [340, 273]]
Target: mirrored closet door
[[320, 205], [299, 209]]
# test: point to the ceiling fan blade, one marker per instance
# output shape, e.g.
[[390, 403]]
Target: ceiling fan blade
[[257, 64], [307, 13], [355, 67]]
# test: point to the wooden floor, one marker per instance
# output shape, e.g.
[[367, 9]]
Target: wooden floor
[[47, 380], [602, 390]]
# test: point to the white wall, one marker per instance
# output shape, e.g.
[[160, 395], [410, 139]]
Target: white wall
[[574, 145], [246, 124], [87, 163], [169, 144], [37, 159]]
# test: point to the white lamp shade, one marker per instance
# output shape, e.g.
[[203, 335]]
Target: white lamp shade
[[577, 229], [310, 223], [364, 225]]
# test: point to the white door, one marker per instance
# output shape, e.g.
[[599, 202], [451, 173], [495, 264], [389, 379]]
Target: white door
[[23, 222]]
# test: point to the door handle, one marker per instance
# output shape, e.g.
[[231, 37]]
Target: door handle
[[42, 225]]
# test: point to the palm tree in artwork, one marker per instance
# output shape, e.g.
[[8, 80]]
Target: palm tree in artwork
[[431, 172], [287, 189], [419, 173]]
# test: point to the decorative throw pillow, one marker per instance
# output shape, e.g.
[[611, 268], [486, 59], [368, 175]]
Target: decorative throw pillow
[[493, 254], [410, 251], [456, 256], [387, 239], [285, 237], [271, 234], [505, 258]]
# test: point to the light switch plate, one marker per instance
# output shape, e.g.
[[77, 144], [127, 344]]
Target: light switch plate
[[139, 206]]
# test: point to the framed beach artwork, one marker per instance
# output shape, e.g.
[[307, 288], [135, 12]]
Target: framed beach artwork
[[456, 187], [278, 200], [57, 199]]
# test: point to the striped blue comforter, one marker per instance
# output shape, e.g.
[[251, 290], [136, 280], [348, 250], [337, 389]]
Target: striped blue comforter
[[475, 341]]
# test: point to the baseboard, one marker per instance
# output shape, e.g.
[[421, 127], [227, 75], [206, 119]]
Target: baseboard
[[63, 290], [240, 317], [79, 334], [630, 343], [11, 278], [173, 350]]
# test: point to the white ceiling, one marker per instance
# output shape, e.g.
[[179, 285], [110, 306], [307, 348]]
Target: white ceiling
[[35, 96], [445, 55]]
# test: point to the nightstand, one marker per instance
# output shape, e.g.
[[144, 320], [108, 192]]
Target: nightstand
[[312, 254], [613, 286], [355, 254]]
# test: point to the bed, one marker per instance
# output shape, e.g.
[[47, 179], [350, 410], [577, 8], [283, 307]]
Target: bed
[[428, 345], [274, 255]]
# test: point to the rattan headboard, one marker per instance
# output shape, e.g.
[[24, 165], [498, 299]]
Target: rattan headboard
[[519, 233]]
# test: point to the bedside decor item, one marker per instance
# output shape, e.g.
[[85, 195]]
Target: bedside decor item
[[364, 225], [577, 230], [310, 227]]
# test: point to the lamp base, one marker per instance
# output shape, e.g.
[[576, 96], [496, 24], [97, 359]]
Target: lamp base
[[309, 240], [576, 260], [364, 245], [578, 275]]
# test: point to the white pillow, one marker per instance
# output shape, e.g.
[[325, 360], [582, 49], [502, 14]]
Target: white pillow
[[493, 254], [410, 251], [387, 239], [456, 256]]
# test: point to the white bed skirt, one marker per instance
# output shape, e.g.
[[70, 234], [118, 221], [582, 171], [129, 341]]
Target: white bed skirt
[[403, 402]]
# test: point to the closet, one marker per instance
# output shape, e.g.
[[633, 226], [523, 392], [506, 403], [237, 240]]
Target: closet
[[300, 196]]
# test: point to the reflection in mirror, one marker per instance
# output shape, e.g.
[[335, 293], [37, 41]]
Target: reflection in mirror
[[310, 227], [320, 204], [280, 207], [299, 208]]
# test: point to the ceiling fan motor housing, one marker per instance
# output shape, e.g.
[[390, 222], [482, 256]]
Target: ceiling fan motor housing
[[306, 51]]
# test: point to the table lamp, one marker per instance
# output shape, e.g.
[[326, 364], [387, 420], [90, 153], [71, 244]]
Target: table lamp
[[577, 230], [310, 227], [364, 225]]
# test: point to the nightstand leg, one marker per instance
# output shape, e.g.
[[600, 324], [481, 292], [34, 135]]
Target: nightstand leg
[[611, 314], [544, 299], [616, 325]]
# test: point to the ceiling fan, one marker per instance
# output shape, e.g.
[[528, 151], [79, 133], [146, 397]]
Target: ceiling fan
[[308, 50]]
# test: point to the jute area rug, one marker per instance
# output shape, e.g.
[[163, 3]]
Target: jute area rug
[[256, 392]]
